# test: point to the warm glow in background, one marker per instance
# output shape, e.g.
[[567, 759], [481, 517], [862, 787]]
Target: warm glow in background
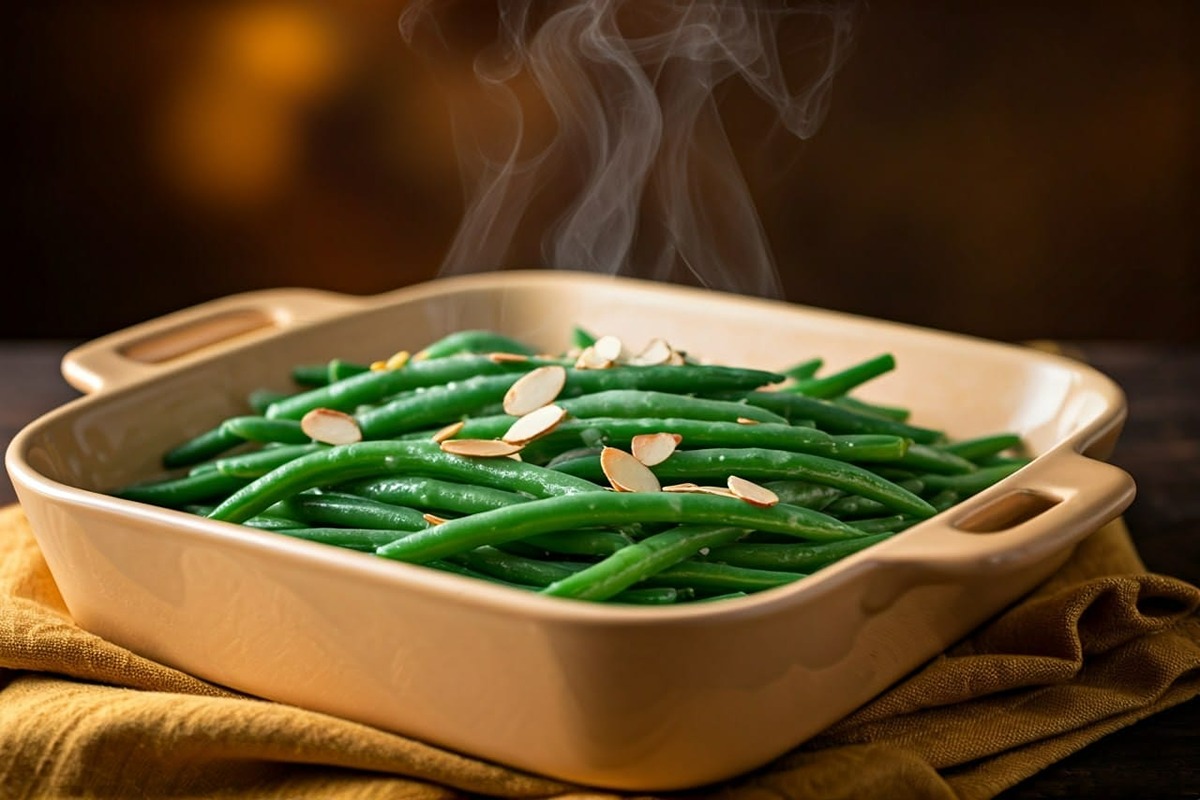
[[1005, 169]]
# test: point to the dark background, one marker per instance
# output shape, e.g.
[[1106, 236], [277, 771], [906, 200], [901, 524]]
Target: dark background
[[1003, 169]]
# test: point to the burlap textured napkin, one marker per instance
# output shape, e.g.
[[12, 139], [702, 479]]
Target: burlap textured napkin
[[1099, 646]]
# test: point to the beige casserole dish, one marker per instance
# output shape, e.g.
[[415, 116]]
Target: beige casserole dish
[[623, 697]]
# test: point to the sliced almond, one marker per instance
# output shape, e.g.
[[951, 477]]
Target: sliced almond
[[654, 448], [589, 359], [676, 359], [656, 351], [751, 492], [450, 431], [378, 366], [536, 423], [608, 348], [434, 519], [479, 448], [503, 358], [692, 488], [331, 427], [746, 421], [534, 389], [398, 360], [626, 473]]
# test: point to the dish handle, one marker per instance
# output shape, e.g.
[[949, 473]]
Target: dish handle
[[141, 351], [1034, 513]]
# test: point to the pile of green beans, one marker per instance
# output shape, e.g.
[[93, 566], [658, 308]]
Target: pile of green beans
[[839, 474]]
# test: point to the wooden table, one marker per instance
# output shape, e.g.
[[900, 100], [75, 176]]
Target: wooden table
[[1158, 757]]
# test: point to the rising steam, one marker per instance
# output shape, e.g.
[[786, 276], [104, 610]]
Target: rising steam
[[590, 138]]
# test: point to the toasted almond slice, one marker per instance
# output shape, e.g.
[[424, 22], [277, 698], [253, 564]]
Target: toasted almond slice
[[609, 348], [450, 431], [378, 366], [656, 351], [331, 427], [589, 359], [501, 358], [398, 360], [536, 423], [692, 488], [480, 448], [434, 519], [626, 473], [534, 389], [654, 448], [746, 421], [751, 492], [676, 359]]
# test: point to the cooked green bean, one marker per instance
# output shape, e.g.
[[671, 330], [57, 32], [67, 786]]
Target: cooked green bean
[[430, 493], [758, 464], [892, 523], [181, 492], [792, 557], [260, 399], [376, 385], [350, 511], [634, 403], [853, 505], [895, 413], [640, 561], [973, 482], [579, 542], [475, 342], [841, 382], [260, 462], [983, 446], [704, 576], [365, 540], [581, 338], [609, 508], [264, 429], [802, 493], [926, 458], [834, 418], [514, 568], [210, 443], [364, 459], [804, 370]]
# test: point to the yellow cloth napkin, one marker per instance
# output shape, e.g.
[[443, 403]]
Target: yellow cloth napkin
[[1100, 645]]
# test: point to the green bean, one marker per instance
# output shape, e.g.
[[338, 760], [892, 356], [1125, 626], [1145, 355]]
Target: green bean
[[757, 464], [640, 561], [260, 399], [834, 418], [474, 342], [802, 493], [316, 375], [436, 404], [364, 540], [376, 385], [430, 493], [983, 446], [210, 443], [514, 568], [581, 338], [974, 482], [609, 508], [260, 462], [892, 523], [853, 505], [364, 459], [653, 596], [805, 369], [713, 598], [350, 511], [707, 577], [263, 429], [580, 543], [894, 413], [619, 432], [925, 458], [181, 492], [792, 557], [841, 382], [266, 522]]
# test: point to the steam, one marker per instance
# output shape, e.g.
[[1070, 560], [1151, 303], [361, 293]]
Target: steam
[[591, 137]]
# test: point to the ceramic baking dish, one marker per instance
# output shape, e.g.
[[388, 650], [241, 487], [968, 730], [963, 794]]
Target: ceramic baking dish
[[622, 697]]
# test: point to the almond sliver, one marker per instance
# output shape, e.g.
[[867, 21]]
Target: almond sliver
[[502, 358], [330, 427], [626, 473], [534, 389], [751, 492], [536, 423], [589, 359], [480, 448], [433, 519], [656, 351], [654, 448], [608, 348], [449, 432], [692, 488]]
